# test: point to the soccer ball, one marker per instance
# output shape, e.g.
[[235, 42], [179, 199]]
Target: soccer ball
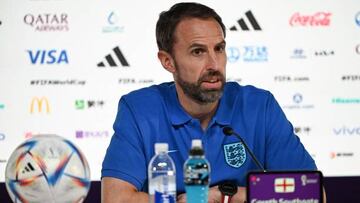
[[47, 169]]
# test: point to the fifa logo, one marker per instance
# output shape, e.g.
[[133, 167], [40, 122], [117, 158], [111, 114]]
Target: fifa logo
[[39, 103]]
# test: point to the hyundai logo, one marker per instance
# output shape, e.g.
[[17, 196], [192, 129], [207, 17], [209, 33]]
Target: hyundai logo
[[297, 98]]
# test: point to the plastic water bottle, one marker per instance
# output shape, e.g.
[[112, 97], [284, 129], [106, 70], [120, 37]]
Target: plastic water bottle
[[162, 177], [196, 175]]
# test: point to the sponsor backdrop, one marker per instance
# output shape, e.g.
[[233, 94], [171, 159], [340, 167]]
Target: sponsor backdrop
[[65, 64]]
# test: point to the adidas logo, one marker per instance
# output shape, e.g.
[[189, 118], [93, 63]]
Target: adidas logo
[[250, 17], [110, 59], [28, 168]]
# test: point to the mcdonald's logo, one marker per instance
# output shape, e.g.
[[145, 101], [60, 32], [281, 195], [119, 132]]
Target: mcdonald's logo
[[40, 104]]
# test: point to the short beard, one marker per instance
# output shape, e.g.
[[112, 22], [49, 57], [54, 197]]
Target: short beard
[[199, 95]]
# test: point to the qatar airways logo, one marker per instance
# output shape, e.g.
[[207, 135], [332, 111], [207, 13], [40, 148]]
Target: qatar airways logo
[[315, 20], [48, 22]]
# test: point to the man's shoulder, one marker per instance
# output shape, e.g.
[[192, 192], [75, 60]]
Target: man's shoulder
[[148, 95]]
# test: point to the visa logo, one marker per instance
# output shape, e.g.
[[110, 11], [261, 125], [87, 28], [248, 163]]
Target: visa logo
[[52, 56], [347, 131]]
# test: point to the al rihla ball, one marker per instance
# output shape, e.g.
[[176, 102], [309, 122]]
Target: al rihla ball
[[47, 168]]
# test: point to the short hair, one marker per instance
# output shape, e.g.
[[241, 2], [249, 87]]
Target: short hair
[[168, 20]]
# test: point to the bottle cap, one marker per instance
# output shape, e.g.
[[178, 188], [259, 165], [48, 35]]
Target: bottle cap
[[196, 143], [196, 148], [161, 147]]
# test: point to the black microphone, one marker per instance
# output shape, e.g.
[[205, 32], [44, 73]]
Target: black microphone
[[228, 131]]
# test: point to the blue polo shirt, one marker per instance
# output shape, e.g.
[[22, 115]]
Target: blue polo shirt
[[154, 114]]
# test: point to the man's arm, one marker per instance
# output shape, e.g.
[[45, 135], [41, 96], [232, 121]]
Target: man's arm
[[124, 167], [114, 190]]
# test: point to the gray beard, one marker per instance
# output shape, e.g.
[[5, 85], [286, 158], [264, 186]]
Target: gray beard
[[201, 96]]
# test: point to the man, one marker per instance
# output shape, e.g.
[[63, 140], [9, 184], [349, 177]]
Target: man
[[197, 105]]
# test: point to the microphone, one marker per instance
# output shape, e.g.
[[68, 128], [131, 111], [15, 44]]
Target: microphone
[[228, 131]]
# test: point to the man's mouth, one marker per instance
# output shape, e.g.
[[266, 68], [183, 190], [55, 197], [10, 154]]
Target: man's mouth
[[214, 83], [212, 80]]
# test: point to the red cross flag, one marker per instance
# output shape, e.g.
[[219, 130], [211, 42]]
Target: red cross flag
[[284, 185]]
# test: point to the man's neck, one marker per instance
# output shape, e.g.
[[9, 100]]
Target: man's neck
[[203, 112]]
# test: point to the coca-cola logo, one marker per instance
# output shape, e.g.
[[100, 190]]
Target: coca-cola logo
[[318, 19]]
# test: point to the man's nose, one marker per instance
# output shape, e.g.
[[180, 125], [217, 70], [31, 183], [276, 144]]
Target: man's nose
[[212, 61]]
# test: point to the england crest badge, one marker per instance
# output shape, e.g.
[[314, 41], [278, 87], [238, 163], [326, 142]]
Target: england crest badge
[[235, 154]]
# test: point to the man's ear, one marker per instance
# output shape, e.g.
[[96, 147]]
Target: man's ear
[[167, 61]]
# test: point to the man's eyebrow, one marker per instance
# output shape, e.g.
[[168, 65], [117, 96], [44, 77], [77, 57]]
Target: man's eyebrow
[[221, 43], [202, 45], [196, 45]]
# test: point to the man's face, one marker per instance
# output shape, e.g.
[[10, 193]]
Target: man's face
[[200, 59]]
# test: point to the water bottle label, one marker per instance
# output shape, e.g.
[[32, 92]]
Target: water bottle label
[[164, 198], [196, 177]]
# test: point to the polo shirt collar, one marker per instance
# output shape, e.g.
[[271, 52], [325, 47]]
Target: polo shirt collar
[[224, 113], [178, 116]]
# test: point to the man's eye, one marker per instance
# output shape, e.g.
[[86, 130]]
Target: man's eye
[[197, 51], [220, 48]]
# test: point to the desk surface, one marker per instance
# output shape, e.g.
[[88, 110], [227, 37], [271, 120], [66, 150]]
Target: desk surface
[[338, 190]]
